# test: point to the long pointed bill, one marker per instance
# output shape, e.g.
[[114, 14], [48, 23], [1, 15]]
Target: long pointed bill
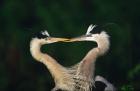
[[80, 38], [75, 39], [59, 39]]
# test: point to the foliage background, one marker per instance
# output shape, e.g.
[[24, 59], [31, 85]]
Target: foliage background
[[20, 19]]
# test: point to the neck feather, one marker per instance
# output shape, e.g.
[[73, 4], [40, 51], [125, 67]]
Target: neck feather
[[54, 67], [35, 46]]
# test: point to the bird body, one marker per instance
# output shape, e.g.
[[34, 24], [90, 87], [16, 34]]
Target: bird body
[[80, 76]]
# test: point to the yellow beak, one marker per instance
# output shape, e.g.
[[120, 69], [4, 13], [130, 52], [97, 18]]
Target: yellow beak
[[59, 39], [74, 39], [64, 39]]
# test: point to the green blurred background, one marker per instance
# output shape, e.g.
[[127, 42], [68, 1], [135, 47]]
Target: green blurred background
[[20, 19]]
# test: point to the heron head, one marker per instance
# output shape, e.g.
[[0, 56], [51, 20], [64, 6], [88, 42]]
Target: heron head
[[92, 32], [44, 37]]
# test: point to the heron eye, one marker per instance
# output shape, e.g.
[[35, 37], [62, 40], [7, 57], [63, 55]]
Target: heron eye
[[48, 38]]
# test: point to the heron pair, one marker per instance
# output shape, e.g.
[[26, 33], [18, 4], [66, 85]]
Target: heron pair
[[79, 77]]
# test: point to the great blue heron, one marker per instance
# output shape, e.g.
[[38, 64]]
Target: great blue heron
[[79, 77]]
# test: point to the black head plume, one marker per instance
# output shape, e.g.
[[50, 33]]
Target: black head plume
[[42, 35]]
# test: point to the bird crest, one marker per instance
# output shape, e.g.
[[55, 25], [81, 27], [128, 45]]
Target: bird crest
[[45, 33], [42, 34], [94, 29], [90, 28]]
